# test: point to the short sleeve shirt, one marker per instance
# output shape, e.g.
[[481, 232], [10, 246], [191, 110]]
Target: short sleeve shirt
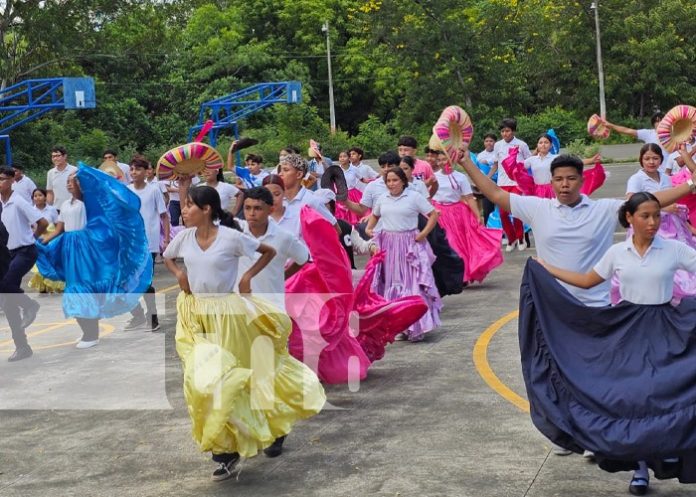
[[540, 167], [228, 194], [647, 279], [401, 213], [212, 271], [57, 181], [151, 208], [25, 187], [291, 217], [18, 215], [650, 136], [501, 149], [451, 187], [73, 215], [419, 186], [572, 238], [373, 191], [641, 182], [49, 213]]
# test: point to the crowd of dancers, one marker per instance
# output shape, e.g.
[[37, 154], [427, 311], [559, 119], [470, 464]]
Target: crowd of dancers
[[269, 282]]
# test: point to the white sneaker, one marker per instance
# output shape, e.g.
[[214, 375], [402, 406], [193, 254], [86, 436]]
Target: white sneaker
[[511, 246], [401, 337], [86, 345], [588, 454], [560, 451], [521, 246]]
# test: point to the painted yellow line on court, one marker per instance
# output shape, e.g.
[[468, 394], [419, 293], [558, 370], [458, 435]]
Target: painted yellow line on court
[[484, 368], [104, 330], [168, 289], [49, 327]]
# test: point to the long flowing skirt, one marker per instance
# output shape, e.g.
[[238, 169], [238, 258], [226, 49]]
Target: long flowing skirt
[[319, 299], [478, 246], [406, 271], [106, 266], [344, 213], [242, 388], [619, 381]]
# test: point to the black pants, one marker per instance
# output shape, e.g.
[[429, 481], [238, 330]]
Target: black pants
[[225, 458], [174, 212], [90, 329], [149, 296], [13, 298]]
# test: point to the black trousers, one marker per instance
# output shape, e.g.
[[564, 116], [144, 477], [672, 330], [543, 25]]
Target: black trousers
[[13, 298], [90, 329]]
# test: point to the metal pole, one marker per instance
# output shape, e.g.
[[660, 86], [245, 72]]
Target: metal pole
[[600, 67], [332, 111]]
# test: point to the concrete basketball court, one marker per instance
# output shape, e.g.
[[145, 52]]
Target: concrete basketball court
[[445, 417]]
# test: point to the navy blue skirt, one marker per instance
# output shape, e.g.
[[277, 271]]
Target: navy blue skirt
[[619, 381]]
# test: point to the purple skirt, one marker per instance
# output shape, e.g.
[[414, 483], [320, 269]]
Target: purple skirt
[[407, 271]]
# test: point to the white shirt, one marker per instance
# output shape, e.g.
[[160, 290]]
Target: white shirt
[[419, 186], [374, 190], [366, 172], [228, 195], [18, 215], [641, 182], [650, 136], [160, 185], [269, 284], [501, 149], [125, 169], [451, 187], [211, 271], [151, 208], [541, 168], [648, 279], [258, 178], [672, 160], [486, 157], [57, 181], [72, 215], [353, 176], [49, 213], [401, 213], [25, 187], [291, 217], [175, 184], [572, 238]]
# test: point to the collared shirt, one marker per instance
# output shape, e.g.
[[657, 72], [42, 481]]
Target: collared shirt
[[25, 187], [291, 217], [374, 190], [57, 181], [269, 284], [641, 182], [650, 136], [647, 279], [572, 238], [18, 215], [451, 187], [72, 215], [228, 194], [151, 209], [214, 270], [419, 186], [540, 167], [501, 149], [366, 172], [400, 213], [353, 176]]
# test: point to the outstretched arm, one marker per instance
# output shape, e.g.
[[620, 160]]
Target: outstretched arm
[[622, 129], [486, 185], [671, 195], [587, 280]]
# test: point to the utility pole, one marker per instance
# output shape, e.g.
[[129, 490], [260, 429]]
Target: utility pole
[[332, 110], [600, 67]]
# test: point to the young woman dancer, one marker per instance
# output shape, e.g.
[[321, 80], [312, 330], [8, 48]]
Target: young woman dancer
[[479, 247], [50, 214], [644, 382], [354, 179], [407, 269], [243, 389]]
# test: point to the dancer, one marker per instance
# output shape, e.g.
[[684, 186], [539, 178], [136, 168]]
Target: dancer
[[478, 246], [683, 176], [269, 284], [18, 216], [408, 147], [23, 184], [486, 160], [407, 165], [243, 389], [230, 195], [354, 178], [99, 249], [367, 174], [57, 177], [644, 135], [50, 214], [154, 215], [514, 229], [646, 265], [407, 267]]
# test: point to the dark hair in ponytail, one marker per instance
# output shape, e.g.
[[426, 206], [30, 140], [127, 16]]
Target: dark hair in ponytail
[[631, 205], [204, 196]]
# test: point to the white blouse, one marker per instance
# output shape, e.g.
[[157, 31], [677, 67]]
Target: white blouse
[[401, 213], [72, 215], [214, 270], [641, 182], [451, 187], [648, 279], [540, 167]]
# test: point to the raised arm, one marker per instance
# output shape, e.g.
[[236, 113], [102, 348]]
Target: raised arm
[[587, 280], [485, 185], [671, 195], [621, 129]]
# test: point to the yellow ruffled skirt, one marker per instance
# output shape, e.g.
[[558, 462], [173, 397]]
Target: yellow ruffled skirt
[[242, 388], [41, 284]]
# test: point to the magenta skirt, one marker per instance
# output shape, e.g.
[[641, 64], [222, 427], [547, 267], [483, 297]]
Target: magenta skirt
[[407, 271], [478, 246], [347, 215]]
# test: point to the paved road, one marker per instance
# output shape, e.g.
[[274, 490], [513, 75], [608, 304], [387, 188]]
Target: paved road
[[111, 421]]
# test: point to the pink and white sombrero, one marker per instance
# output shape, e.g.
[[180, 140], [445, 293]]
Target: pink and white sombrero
[[596, 128], [187, 160], [451, 131], [678, 126]]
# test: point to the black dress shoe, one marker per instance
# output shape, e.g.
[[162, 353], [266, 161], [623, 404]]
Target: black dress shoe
[[21, 353], [29, 314], [276, 448]]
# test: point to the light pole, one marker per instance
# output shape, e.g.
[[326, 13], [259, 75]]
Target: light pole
[[332, 111], [600, 67]]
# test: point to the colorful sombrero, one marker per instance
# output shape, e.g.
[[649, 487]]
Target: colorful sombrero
[[596, 127], [678, 126], [451, 131], [187, 160]]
